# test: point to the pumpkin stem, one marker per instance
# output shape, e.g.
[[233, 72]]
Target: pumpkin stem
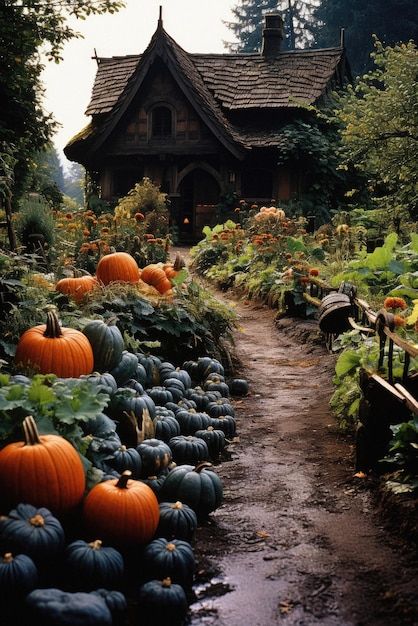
[[166, 582], [53, 328], [170, 547], [37, 521], [177, 505], [96, 545], [201, 466], [30, 431], [123, 479], [8, 558]]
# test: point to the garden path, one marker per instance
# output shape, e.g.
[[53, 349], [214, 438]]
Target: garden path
[[298, 539]]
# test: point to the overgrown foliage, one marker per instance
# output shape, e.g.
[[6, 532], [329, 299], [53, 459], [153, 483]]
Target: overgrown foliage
[[380, 133]]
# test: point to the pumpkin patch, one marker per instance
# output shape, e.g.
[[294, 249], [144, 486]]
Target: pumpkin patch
[[111, 492]]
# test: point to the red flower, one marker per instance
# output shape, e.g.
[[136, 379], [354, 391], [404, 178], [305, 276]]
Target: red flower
[[313, 272]]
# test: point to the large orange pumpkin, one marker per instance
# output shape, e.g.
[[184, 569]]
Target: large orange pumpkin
[[117, 266], [76, 286], [154, 274], [52, 349], [44, 470], [122, 511]]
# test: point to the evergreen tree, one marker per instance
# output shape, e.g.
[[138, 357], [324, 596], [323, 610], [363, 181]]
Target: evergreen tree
[[392, 21], [250, 14]]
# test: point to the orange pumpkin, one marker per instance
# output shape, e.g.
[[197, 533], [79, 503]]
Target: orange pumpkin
[[51, 349], [172, 269], [117, 266], [154, 274], [122, 511], [45, 470], [76, 286]]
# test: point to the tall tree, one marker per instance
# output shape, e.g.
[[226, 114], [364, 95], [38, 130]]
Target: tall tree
[[392, 21], [380, 134], [248, 28], [27, 28]]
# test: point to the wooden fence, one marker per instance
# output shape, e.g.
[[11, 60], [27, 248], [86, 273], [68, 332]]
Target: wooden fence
[[385, 401]]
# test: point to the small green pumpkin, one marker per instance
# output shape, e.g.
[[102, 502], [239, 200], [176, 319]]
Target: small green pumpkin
[[162, 602], [191, 420], [177, 521], [18, 576], [155, 456], [199, 487], [188, 449], [174, 558], [106, 341], [239, 387], [33, 531], [90, 565], [227, 423], [166, 427], [215, 440], [126, 459]]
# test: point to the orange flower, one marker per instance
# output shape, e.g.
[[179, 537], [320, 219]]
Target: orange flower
[[139, 216], [399, 321], [69, 216], [313, 272], [394, 303], [86, 232]]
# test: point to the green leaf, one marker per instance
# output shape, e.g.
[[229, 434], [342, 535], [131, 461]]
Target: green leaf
[[347, 362]]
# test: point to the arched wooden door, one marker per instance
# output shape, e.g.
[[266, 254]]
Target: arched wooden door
[[199, 195]]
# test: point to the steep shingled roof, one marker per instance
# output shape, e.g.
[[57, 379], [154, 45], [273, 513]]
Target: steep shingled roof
[[216, 85], [236, 81]]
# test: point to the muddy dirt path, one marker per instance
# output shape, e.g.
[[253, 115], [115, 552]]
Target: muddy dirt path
[[297, 540]]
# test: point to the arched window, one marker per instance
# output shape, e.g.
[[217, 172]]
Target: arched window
[[161, 122]]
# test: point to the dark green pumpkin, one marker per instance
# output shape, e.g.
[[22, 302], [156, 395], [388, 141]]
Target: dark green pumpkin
[[125, 369], [239, 387], [162, 602], [90, 565], [155, 455], [199, 396], [155, 482], [151, 363], [199, 487], [166, 427], [176, 388], [215, 439], [207, 365], [33, 531], [191, 420], [221, 406], [216, 384], [188, 449], [18, 576], [174, 558], [106, 341], [161, 395], [227, 423], [104, 381], [126, 459], [177, 521]]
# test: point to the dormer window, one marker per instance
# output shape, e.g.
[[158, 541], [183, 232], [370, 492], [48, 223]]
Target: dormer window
[[162, 125]]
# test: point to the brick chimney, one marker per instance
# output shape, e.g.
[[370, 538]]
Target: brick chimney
[[273, 34]]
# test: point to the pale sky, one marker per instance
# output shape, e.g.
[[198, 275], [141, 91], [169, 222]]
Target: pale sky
[[196, 25]]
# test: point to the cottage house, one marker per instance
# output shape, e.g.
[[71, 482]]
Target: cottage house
[[201, 126]]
